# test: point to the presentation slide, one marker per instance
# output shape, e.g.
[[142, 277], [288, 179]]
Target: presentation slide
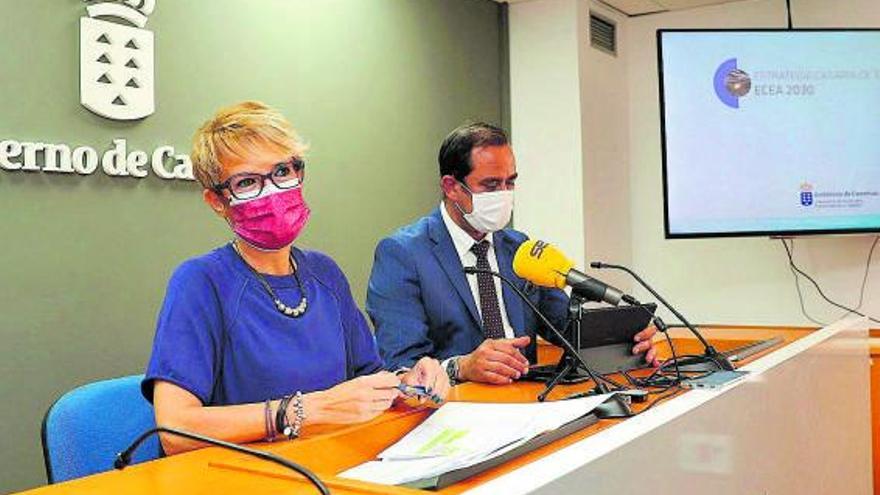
[[771, 131]]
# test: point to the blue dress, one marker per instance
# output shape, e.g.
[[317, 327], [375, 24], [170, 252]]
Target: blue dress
[[220, 337]]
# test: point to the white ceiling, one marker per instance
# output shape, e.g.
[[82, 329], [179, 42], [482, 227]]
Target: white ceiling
[[640, 7]]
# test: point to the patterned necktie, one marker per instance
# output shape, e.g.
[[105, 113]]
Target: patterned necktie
[[489, 308]]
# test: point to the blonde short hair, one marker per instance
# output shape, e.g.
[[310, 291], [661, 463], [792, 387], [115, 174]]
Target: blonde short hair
[[236, 131]]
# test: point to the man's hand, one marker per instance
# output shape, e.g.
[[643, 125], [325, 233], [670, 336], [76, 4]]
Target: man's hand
[[428, 373], [496, 361], [644, 344]]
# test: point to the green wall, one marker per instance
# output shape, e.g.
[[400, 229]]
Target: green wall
[[373, 85]]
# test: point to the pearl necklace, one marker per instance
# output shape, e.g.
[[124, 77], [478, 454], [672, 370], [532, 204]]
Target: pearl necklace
[[279, 304]]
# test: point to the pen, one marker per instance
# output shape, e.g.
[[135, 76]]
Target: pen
[[417, 391]]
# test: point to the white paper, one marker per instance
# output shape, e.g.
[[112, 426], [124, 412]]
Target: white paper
[[462, 434], [395, 472]]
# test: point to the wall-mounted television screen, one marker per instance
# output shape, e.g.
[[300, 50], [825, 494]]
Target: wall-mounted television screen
[[770, 132]]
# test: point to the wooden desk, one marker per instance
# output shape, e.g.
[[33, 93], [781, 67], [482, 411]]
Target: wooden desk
[[329, 451]]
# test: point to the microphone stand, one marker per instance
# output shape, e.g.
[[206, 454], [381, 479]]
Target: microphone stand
[[123, 458], [712, 360], [567, 363], [616, 406]]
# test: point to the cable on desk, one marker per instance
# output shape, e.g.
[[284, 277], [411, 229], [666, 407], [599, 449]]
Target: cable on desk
[[674, 357], [123, 458]]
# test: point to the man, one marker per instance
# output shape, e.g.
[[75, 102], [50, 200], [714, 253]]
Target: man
[[419, 298]]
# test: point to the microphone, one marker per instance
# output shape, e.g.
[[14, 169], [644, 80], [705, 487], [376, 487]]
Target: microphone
[[123, 459], [616, 409], [710, 352], [542, 264]]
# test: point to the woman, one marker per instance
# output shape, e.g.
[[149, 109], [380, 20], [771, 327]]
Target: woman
[[258, 339]]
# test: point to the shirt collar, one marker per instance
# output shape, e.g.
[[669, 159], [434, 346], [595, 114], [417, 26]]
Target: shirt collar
[[461, 239]]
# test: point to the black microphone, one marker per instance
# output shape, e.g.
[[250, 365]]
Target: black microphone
[[620, 408], [596, 290], [711, 354], [123, 458]]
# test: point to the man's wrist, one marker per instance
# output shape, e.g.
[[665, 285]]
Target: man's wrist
[[452, 366]]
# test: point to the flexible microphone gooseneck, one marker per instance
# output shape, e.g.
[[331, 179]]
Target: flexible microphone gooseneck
[[603, 388], [710, 352], [123, 458]]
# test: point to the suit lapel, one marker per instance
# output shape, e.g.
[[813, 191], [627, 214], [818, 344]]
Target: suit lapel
[[504, 251], [446, 254]]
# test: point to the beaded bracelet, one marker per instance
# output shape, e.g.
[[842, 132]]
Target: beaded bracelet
[[283, 424], [291, 431]]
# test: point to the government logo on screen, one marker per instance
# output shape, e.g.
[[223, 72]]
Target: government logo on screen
[[806, 194]]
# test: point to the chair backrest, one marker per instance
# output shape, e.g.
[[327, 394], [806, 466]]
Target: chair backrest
[[86, 427]]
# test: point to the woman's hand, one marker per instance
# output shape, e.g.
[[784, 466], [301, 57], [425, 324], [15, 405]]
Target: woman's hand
[[429, 374], [355, 401]]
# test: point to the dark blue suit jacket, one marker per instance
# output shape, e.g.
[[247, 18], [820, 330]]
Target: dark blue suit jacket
[[421, 304]]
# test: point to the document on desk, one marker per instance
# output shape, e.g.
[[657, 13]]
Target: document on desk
[[461, 434]]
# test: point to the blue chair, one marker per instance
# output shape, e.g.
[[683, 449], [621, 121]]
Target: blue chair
[[86, 427]]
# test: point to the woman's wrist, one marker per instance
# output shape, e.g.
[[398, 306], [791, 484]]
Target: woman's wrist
[[289, 417], [269, 408], [313, 405]]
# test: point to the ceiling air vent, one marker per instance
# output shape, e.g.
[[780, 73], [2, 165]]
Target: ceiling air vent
[[603, 34]]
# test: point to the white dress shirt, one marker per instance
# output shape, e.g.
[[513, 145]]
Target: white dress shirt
[[463, 243]]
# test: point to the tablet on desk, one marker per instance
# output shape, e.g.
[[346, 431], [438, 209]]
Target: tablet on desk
[[605, 342], [613, 325], [606, 337]]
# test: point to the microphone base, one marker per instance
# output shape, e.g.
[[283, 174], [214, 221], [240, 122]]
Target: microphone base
[[567, 367], [548, 372], [616, 406]]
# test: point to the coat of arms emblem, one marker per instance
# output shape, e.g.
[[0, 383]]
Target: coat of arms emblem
[[806, 194], [116, 60]]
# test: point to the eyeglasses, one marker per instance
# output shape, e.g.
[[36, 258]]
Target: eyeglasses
[[247, 185]]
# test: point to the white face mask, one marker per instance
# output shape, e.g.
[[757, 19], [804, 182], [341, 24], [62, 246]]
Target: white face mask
[[491, 210]]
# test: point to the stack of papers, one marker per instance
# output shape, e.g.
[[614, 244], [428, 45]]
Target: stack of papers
[[461, 434]]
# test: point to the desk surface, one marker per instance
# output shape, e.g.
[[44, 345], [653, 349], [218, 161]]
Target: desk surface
[[330, 450]]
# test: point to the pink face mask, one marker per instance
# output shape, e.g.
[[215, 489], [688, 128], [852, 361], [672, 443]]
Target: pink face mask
[[272, 220]]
